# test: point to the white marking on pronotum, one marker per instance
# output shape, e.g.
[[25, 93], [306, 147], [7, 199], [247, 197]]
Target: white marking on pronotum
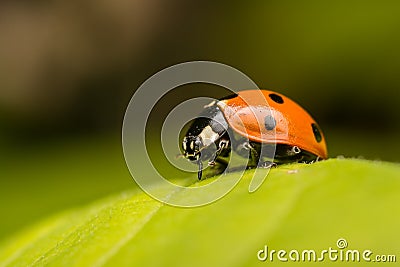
[[222, 105], [208, 136]]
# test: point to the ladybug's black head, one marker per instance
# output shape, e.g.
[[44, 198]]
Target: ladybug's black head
[[191, 147]]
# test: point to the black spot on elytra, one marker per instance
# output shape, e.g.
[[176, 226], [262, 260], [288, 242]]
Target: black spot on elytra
[[269, 122], [229, 97], [317, 132], [276, 98]]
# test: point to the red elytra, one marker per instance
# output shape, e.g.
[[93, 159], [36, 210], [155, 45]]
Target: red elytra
[[268, 117]]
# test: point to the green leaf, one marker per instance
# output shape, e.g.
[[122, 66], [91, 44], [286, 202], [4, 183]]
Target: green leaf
[[298, 207]]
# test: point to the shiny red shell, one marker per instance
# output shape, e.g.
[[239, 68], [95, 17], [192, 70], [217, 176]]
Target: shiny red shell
[[268, 117]]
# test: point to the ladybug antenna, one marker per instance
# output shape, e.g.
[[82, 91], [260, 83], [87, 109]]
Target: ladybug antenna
[[200, 172]]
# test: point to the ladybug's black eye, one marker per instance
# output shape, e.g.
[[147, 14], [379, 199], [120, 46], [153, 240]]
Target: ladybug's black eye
[[317, 132], [276, 98]]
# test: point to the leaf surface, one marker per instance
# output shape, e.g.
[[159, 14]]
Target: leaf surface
[[298, 207]]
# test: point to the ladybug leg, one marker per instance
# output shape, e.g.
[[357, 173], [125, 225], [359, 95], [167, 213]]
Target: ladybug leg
[[314, 160], [294, 150], [200, 172], [267, 164], [254, 155], [223, 144]]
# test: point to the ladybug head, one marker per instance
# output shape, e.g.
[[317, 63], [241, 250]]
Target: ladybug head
[[191, 147]]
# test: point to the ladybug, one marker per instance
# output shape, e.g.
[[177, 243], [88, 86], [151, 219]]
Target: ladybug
[[250, 121]]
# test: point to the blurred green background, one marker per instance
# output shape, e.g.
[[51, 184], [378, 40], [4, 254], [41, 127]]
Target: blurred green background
[[69, 68]]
